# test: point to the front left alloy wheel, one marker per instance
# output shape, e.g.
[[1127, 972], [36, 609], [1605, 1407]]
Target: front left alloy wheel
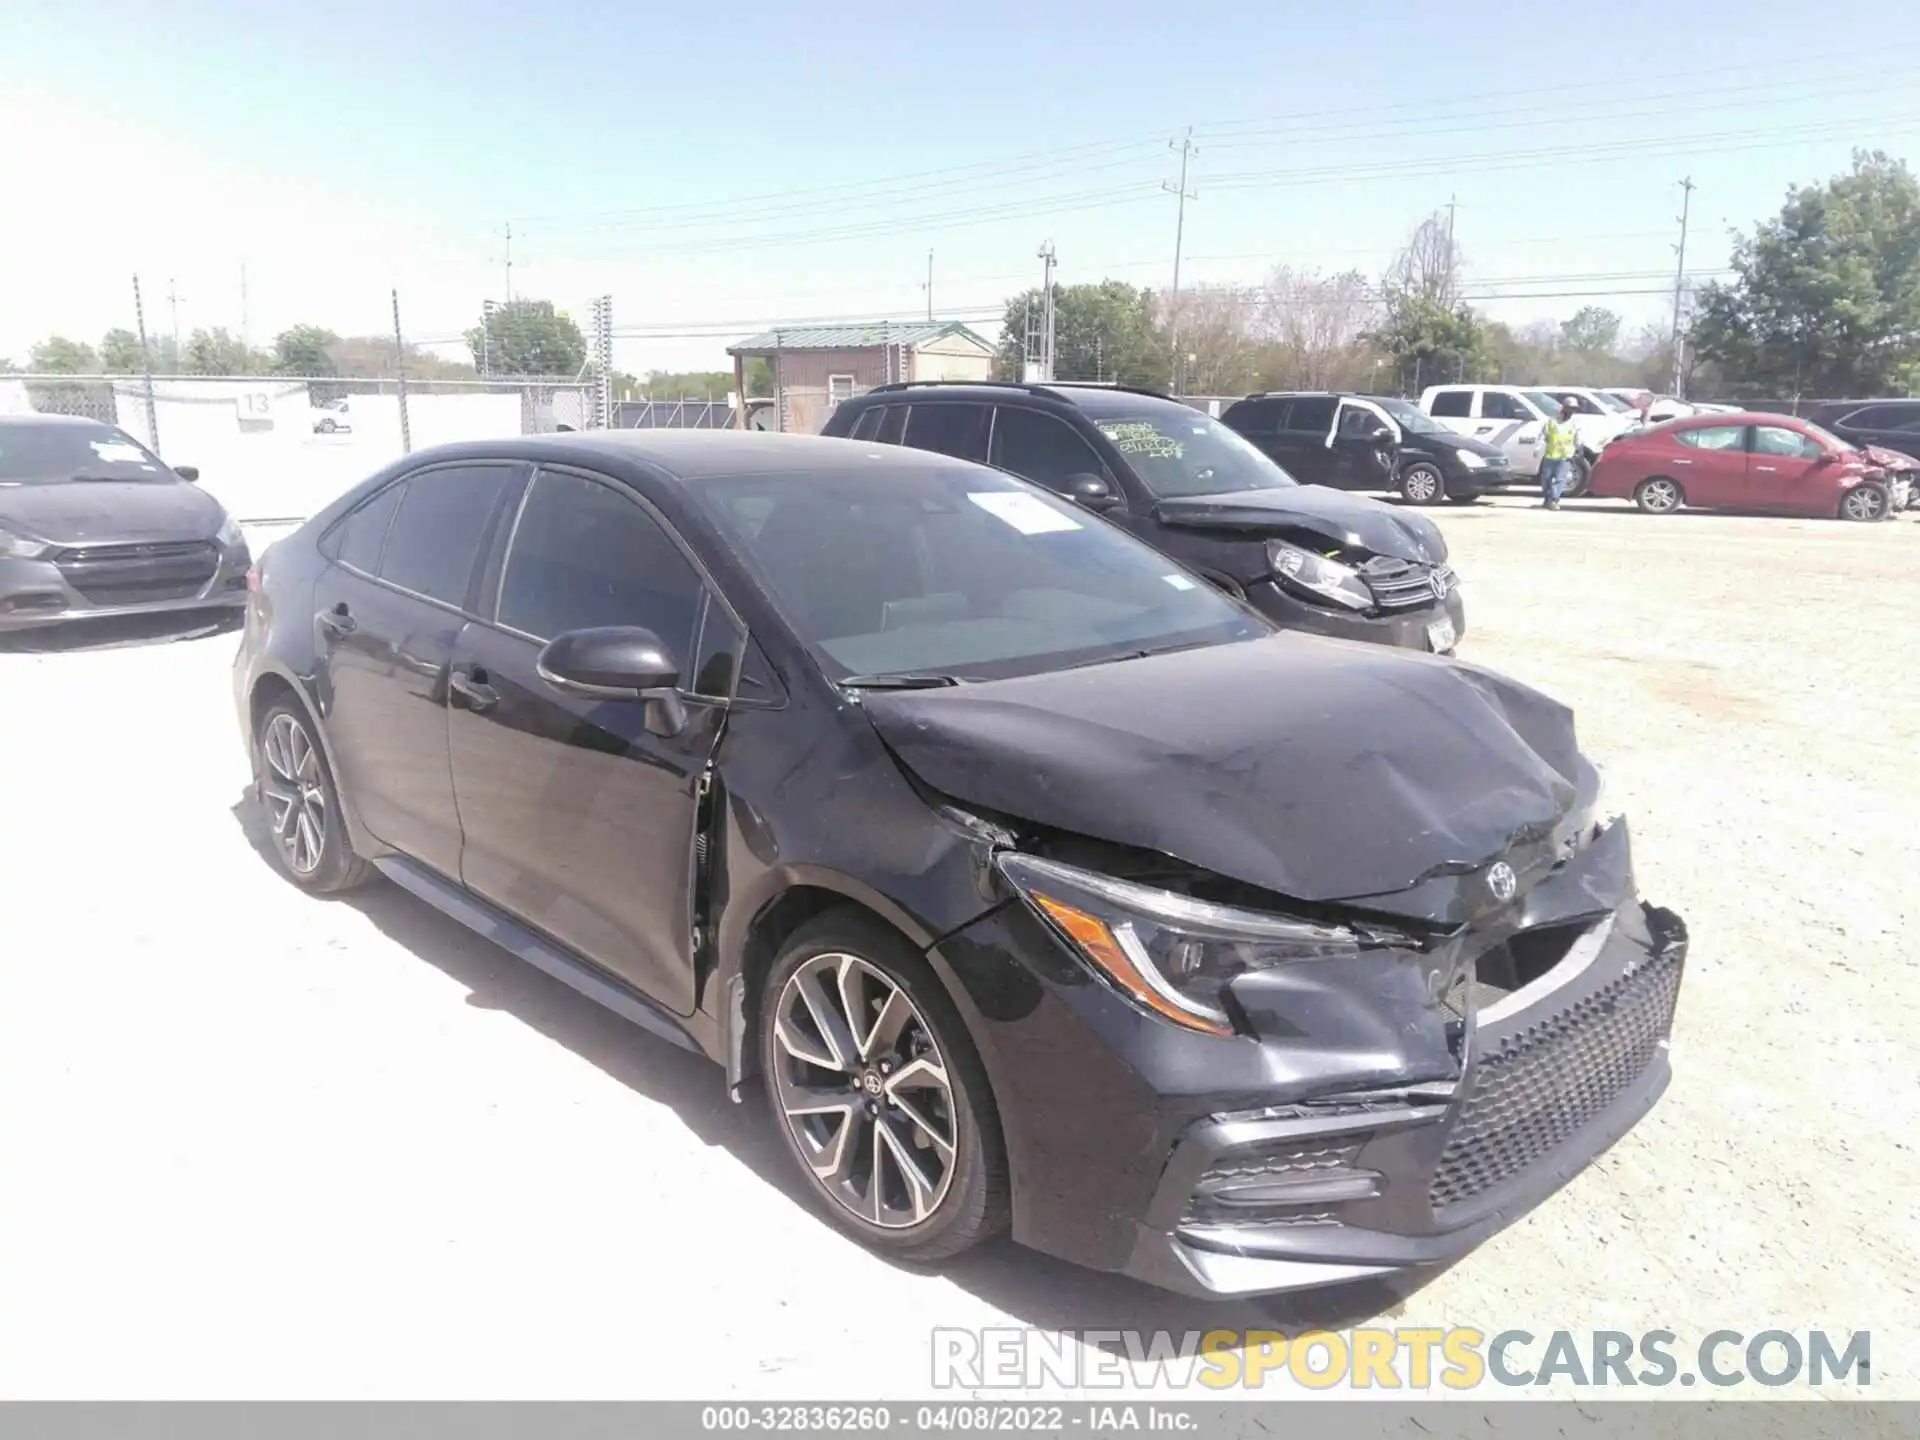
[[302, 805], [876, 1086], [1865, 502]]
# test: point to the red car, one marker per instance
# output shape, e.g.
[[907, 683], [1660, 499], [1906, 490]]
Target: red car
[[1766, 464]]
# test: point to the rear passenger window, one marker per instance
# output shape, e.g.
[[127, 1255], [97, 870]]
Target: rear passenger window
[[584, 554], [1714, 437], [1254, 417], [892, 424], [435, 538], [867, 423], [1457, 404], [1312, 413], [356, 541], [956, 430]]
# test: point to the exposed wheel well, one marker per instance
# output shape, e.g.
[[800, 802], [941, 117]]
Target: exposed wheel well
[[268, 691], [770, 931]]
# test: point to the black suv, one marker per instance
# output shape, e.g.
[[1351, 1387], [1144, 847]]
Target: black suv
[[1369, 442], [1038, 884], [1307, 557]]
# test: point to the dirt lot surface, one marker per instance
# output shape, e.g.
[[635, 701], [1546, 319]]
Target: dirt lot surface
[[254, 1144]]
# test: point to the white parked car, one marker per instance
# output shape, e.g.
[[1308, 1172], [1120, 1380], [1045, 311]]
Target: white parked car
[[331, 417], [1664, 407]]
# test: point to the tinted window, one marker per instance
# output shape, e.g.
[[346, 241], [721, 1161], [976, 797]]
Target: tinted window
[[717, 665], [1457, 403], [867, 422], [436, 535], [1357, 420], [956, 430], [892, 423], [1885, 417], [1311, 412], [1496, 406], [1581, 404], [1255, 417], [358, 539], [1776, 440], [1041, 448], [584, 554], [1714, 437], [958, 570]]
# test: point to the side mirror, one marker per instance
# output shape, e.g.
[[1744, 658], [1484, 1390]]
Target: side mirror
[[188, 473], [617, 662], [1091, 491]]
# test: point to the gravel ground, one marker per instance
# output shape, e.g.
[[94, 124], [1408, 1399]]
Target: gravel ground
[[254, 1144]]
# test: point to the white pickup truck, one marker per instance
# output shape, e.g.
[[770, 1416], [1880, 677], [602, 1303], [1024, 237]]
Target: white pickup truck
[[1513, 418]]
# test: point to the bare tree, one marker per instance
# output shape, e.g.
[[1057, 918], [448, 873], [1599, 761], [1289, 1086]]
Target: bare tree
[[1217, 338], [1427, 270], [1313, 325]]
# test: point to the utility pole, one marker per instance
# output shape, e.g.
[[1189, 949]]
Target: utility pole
[[146, 368], [1186, 148], [509, 234], [1453, 266], [928, 287], [243, 305], [1046, 312], [173, 304], [1680, 280]]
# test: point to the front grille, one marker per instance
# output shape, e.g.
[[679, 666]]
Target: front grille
[[1404, 584], [1536, 1088], [139, 574]]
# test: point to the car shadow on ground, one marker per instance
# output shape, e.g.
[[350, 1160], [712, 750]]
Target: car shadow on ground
[[122, 632], [1033, 1288]]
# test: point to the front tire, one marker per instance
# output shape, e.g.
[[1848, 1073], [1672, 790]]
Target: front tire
[[1865, 502], [1422, 484], [875, 1084], [1657, 495], [302, 805]]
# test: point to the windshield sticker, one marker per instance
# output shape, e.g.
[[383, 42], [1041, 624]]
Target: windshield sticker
[[1179, 582], [1138, 438], [118, 452], [1028, 514]]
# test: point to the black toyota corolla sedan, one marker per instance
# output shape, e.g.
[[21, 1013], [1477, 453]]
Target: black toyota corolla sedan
[[1036, 882], [93, 524]]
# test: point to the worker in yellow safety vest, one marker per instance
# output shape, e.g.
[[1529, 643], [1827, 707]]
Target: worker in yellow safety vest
[[1556, 465]]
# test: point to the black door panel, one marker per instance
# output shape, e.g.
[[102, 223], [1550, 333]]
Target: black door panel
[[576, 818], [385, 655]]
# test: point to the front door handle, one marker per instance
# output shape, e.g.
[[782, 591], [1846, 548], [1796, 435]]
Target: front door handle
[[1768, 468], [338, 620], [474, 690]]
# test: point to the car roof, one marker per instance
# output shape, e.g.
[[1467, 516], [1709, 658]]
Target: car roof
[[1096, 400], [37, 418], [694, 455]]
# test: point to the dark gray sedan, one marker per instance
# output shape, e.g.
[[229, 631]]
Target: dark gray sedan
[[92, 523]]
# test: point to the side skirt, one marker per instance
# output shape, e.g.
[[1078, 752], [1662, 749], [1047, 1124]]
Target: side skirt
[[495, 925]]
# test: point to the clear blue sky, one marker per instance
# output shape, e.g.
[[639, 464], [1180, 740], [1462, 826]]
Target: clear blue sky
[[716, 169]]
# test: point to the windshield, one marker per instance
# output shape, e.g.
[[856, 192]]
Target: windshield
[[959, 571], [54, 454], [1544, 402], [1828, 438], [1412, 418], [1191, 455], [1613, 403]]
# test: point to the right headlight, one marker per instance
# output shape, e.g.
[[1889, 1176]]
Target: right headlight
[[1172, 954], [1471, 460], [14, 546], [1319, 576]]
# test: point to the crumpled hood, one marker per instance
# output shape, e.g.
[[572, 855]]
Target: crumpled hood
[[1890, 459], [96, 511], [1318, 769], [1350, 521]]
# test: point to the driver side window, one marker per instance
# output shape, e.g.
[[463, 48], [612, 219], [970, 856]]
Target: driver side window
[[1042, 449], [1776, 440]]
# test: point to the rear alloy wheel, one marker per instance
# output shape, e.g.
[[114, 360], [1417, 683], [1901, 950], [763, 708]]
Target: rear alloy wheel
[[1659, 495], [1579, 475], [1422, 484], [876, 1085], [1865, 502], [302, 806]]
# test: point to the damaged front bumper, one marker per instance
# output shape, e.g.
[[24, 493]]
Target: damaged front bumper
[[1363, 1129]]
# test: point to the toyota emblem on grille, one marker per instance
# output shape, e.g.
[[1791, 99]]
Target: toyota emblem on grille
[[1502, 881]]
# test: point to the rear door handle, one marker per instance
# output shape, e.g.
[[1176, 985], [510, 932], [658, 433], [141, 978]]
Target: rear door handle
[[474, 690], [338, 620], [1768, 468]]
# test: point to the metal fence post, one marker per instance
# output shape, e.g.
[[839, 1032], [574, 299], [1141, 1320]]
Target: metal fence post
[[146, 368], [400, 371]]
